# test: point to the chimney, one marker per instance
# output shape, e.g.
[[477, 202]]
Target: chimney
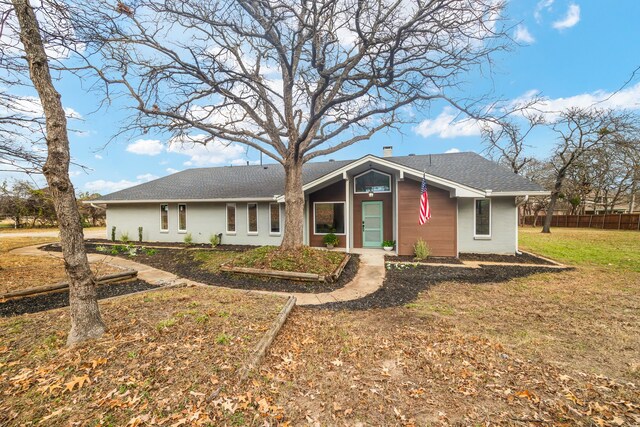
[[387, 151]]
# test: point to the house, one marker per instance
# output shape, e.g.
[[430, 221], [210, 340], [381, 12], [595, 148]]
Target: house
[[365, 201]]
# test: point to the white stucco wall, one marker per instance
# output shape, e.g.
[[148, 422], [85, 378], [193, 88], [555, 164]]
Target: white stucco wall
[[503, 227], [203, 220]]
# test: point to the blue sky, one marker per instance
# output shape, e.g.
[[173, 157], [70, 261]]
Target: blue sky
[[571, 52]]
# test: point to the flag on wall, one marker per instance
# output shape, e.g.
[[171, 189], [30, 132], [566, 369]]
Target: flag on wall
[[425, 210]]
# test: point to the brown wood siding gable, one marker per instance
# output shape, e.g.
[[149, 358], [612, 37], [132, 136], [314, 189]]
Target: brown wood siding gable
[[440, 232]]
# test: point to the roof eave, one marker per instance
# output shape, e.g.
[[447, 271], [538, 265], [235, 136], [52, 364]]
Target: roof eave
[[218, 200]]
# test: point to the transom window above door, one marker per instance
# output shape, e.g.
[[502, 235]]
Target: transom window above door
[[373, 181]]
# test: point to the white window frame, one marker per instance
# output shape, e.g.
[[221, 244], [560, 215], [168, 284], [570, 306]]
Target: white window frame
[[271, 233], [180, 230], [355, 184], [163, 230], [475, 223], [249, 232], [329, 202], [226, 218]]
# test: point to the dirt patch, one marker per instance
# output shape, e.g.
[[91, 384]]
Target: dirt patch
[[402, 284], [21, 272], [164, 354], [189, 265], [524, 258], [53, 300], [431, 260]]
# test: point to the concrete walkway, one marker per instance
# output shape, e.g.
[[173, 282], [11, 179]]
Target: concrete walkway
[[88, 234], [368, 279]]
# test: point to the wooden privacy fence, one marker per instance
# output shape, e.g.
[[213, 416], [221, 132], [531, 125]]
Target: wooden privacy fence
[[606, 221]]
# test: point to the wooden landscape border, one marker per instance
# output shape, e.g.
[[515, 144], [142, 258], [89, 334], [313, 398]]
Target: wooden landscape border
[[291, 275]]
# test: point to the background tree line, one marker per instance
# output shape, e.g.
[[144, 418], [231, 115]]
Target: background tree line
[[26, 205]]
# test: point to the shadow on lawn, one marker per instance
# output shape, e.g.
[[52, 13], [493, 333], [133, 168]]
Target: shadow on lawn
[[401, 286]]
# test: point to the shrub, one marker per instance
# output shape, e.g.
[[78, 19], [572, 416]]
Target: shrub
[[101, 248], [188, 239], [113, 233], [388, 243], [124, 237], [331, 239], [421, 249], [149, 251], [214, 239], [140, 234]]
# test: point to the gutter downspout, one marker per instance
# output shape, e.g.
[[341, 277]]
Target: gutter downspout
[[518, 204]]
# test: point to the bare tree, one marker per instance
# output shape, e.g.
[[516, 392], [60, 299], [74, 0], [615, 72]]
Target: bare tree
[[505, 139], [293, 79], [580, 131], [86, 321]]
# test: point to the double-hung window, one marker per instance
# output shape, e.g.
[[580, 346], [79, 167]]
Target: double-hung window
[[252, 218], [482, 216], [164, 217], [274, 218], [231, 218], [182, 217]]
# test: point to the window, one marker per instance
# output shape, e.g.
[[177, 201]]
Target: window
[[483, 217], [182, 217], [252, 218], [164, 217], [328, 217], [375, 181], [274, 218], [231, 218]]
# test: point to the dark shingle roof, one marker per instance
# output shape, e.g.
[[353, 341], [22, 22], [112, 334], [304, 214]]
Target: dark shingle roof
[[241, 182]]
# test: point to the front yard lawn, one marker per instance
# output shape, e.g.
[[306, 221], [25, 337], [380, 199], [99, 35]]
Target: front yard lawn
[[307, 260], [619, 250], [166, 352]]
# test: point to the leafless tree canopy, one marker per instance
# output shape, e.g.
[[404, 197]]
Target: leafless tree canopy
[[289, 78]]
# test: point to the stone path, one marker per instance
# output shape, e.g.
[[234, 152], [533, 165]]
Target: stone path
[[368, 279]]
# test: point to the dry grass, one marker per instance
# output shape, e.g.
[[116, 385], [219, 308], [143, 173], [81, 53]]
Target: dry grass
[[10, 230], [165, 352], [19, 272]]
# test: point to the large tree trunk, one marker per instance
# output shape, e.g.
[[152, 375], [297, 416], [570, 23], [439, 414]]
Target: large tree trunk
[[293, 237], [86, 322]]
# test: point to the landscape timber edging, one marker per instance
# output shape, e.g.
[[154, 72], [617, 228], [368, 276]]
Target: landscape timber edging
[[292, 275]]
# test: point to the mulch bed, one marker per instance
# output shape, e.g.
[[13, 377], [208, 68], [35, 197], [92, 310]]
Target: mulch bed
[[431, 260], [523, 258], [53, 300], [107, 242], [401, 286], [181, 263]]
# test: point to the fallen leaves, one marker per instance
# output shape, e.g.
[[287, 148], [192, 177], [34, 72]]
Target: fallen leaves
[[77, 381]]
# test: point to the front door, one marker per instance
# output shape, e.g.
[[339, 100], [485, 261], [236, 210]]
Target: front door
[[372, 224]]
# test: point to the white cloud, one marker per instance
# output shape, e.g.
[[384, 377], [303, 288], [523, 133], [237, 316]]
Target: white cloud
[[523, 35], [214, 153], [146, 147], [452, 150], [104, 187], [98, 156], [570, 20], [172, 170], [447, 125], [147, 177], [543, 5]]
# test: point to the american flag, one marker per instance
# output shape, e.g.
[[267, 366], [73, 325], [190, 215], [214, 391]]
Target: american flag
[[425, 210]]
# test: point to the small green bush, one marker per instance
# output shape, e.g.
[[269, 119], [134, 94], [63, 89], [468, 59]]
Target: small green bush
[[188, 239], [140, 234], [331, 239], [124, 237], [421, 249], [113, 233], [388, 243], [214, 239]]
